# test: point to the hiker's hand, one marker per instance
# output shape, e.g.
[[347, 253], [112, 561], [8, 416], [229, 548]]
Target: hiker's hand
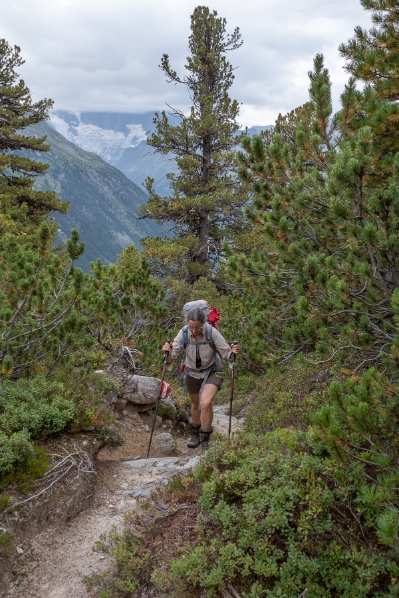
[[235, 349], [167, 348]]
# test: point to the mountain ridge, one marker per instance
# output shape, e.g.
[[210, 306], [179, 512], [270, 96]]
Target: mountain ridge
[[103, 201]]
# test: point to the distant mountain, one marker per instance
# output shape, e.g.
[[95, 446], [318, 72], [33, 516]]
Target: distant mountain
[[103, 201], [120, 140], [257, 129]]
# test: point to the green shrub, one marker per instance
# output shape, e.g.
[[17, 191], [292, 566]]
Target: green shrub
[[92, 412], [166, 412], [14, 449], [27, 471], [5, 500], [29, 409], [37, 406], [281, 522], [6, 545], [287, 397], [360, 430], [290, 510], [130, 555]]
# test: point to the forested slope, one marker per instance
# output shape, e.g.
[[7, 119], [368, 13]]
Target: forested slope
[[103, 202]]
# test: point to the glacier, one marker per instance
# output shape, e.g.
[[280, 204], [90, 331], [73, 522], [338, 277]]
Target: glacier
[[107, 143]]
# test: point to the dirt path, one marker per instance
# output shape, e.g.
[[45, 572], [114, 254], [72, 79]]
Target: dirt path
[[54, 565]]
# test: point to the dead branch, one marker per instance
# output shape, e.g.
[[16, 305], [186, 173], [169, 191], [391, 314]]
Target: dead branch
[[78, 460], [233, 592]]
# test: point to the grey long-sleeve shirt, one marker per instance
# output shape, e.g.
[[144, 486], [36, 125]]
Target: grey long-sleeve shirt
[[205, 351]]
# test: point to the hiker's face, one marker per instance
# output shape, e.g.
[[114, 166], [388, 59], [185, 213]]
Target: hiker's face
[[195, 327]]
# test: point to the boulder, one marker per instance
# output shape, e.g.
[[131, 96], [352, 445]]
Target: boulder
[[165, 443], [144, 408], [141, 390]]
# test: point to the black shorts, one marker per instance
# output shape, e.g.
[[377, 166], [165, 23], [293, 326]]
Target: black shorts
[[193, 385]]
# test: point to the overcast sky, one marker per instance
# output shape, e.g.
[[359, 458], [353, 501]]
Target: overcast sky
[[99, 55]]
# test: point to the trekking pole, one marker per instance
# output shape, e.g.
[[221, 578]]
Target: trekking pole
[[232, 387], [158, 399]]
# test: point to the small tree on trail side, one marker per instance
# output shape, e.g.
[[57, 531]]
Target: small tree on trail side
[[20, 204], [206, 205]]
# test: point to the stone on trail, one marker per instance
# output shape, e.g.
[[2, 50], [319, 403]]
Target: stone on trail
[[220, 422], [165, 443], [141, 390]]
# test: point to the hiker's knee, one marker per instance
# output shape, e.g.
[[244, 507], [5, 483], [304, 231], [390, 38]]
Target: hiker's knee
[[207, 396], [206, 404]]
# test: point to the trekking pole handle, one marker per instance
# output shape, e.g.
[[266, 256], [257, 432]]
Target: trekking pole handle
[[166, 352]]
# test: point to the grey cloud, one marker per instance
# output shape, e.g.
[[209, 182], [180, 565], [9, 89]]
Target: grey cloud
[[100, 55]]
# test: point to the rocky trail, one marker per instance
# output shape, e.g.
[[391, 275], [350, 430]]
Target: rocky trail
[[55, 562]]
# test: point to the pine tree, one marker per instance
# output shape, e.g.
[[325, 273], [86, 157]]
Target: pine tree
[[20, 204], [327, 282], [372, 57], [205, 207]]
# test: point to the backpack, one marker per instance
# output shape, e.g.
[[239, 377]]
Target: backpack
[[211, 317]]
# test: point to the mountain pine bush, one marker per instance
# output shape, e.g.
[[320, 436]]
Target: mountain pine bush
[[293, 510]]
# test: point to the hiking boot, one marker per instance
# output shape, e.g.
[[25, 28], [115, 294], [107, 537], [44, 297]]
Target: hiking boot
[[204, 438], [195, 436]]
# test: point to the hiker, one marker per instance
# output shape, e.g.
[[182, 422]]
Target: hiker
[[203, 374]]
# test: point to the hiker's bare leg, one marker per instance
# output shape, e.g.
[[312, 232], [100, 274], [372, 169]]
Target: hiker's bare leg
[[195, 414], [208, 394]]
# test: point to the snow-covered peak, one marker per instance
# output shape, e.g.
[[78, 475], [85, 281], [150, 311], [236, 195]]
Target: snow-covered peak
[[105, 142]]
